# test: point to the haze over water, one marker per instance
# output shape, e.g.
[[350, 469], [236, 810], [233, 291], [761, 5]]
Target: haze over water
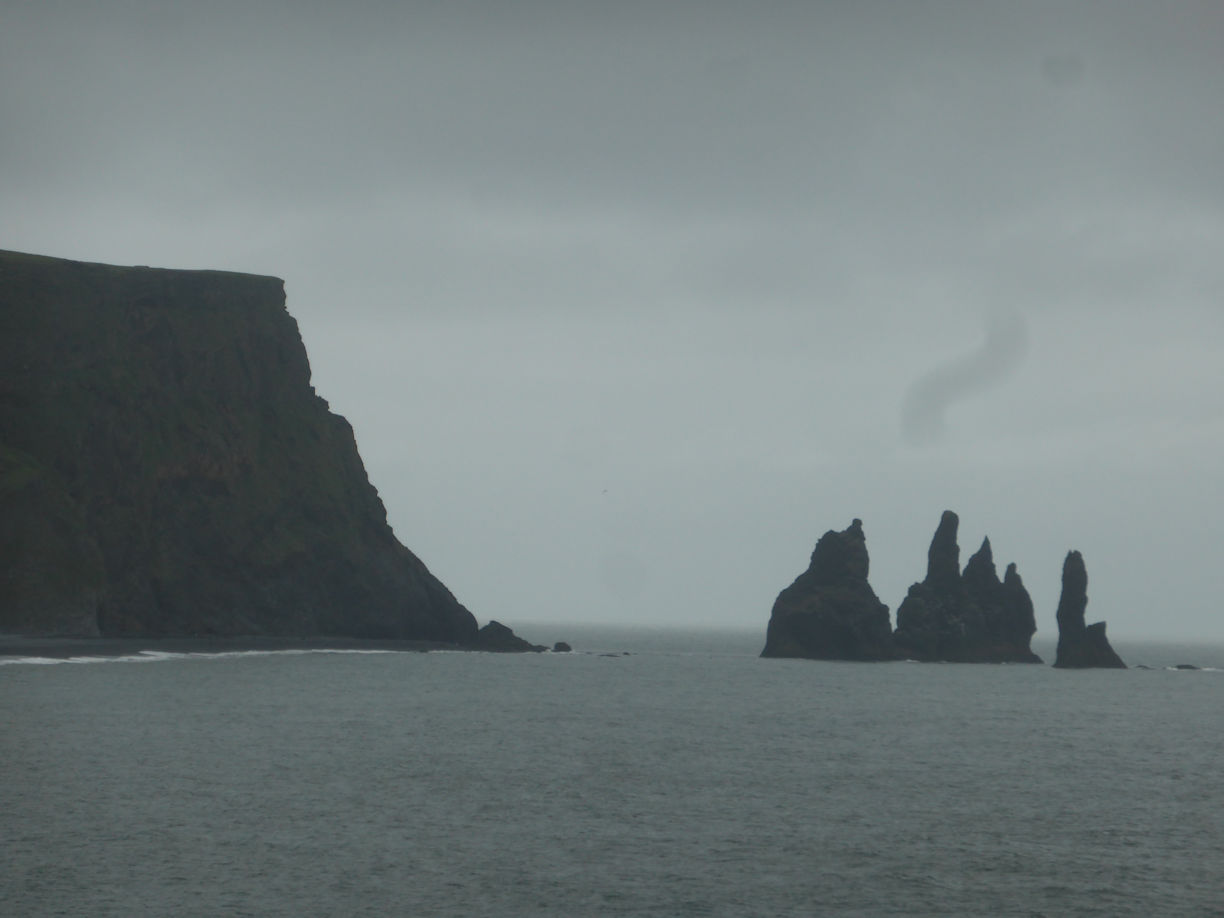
[[632, 301]]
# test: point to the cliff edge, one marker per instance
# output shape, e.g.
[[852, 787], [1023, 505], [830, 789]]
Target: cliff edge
[[166, 468]]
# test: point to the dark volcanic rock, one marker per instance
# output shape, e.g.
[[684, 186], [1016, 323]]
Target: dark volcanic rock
[[498, 638], [943, 557], [562, 647], [1080, 646], [831, 612], [968, 617], [1006, 610], [166, 468]]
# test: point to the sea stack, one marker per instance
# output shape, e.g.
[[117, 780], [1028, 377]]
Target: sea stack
[[1080, 646], [969, 617], [831, 612], [167, 470]]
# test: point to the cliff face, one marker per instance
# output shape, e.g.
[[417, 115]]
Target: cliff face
[[166, 468], [969, 617], [831, 612], [1080, 646]]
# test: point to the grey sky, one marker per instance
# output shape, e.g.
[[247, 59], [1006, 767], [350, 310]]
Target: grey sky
[[625, 301]]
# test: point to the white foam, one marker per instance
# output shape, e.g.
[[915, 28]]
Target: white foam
[[294, 652], [161, 656], [29, 661]]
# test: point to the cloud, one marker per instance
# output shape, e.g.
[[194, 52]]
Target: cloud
[[928, 399], [1063, 71]]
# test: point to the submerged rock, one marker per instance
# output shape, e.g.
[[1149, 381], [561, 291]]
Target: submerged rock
[[831, 612], [1080, 646], [166, 468], [969, 617]]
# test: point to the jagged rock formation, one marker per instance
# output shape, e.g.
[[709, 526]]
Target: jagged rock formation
[[1080, 646], [969, 617], [831, 612], [166, 468], [498, 638]]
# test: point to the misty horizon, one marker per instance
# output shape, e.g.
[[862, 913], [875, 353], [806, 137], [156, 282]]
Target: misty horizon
[[627, 306]]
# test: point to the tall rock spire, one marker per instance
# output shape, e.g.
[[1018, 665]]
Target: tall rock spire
[[943, 557], [969, 617], [1080, 646]]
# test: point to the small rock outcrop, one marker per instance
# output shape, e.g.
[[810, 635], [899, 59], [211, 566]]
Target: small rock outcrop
[[969, 617], [831, 612], [498, 638], [562, 647], [1080, 646]]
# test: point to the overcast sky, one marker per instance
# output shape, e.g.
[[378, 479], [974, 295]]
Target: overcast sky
[[629, 302]]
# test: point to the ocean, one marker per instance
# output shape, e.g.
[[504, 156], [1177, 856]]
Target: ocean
[[649, 773]]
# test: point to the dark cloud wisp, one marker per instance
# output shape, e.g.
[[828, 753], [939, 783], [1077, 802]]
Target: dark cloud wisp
[[928, 399]]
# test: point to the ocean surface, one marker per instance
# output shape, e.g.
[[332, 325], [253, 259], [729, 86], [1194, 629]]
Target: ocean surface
[[688, 777]]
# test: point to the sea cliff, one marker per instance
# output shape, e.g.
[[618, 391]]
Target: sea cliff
[[167, 469]]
